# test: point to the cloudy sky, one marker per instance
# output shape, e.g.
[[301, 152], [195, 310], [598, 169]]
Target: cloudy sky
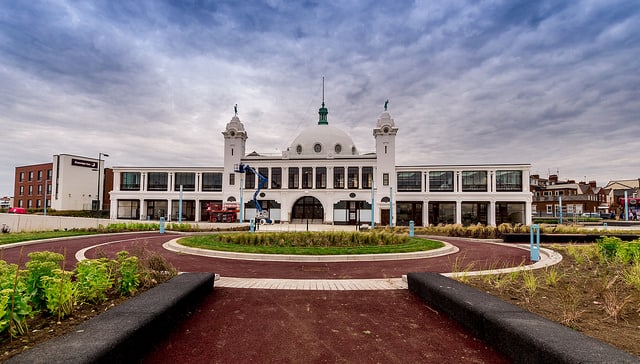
[[153, 83]]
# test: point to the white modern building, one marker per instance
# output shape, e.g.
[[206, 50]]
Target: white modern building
[[76, 182], [322, 177]]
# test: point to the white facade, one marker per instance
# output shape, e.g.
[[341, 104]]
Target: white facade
[[322, 177], [75, 182]]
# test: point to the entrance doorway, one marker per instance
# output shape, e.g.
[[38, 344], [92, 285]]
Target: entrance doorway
[[307, 208], [384, 217]]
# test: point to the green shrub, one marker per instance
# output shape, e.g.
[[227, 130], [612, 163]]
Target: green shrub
[[59, 293], [94, 278], [128, 277], [42, 264]]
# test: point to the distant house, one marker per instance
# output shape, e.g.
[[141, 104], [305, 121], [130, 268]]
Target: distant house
[[549, 195], [5, 202], [615, 193]]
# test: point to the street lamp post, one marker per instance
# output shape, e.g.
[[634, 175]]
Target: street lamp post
[[45, 198], [100, 155]]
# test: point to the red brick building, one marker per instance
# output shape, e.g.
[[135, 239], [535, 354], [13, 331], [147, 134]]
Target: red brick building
[[31, 185]]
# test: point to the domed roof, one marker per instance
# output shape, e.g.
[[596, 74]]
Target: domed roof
[[321, 141]]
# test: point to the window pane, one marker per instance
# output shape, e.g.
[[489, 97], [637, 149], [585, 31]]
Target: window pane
[[157, 181], [276, 178], [211, 182], [474, 181], [321, 177], [294, 177], [338, 177], [441, 181], [186, 179], [442, 213], [367, 177], [307, 177], [264, 172], [508, 181], [352, 180], [249, 179], [130, 181], [409, 181]]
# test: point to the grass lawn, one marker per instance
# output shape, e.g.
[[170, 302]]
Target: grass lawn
[[214, 242]]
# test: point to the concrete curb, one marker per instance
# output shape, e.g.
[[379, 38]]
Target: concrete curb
[[519, 334], [124, 333]]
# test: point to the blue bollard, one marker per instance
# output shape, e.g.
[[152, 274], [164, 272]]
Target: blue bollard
[[252, 225], [162, 225], [411, 226], [535, 248]]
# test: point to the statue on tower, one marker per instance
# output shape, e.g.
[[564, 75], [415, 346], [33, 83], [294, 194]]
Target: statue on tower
[[386, 104], [235, 109]]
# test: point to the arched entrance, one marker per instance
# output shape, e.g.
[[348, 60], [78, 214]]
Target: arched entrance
[[307, 208]]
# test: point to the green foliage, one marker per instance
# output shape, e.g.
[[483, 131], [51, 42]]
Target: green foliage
[[45, 287], [314, 239], [93, 280], [611, 248], [530, 281], [14, 301], [128, 278], [59, 293], [42, 264], [631, 275]]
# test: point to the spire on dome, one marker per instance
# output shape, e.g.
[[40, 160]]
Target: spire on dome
[[323, 110]]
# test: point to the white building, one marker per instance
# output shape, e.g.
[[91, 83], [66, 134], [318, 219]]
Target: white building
[[322, 177], [75, 183]]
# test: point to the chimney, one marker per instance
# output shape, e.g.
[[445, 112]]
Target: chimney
[[553, 179], [592, 184]]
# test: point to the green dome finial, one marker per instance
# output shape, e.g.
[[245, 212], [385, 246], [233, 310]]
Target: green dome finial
[[323, 110]]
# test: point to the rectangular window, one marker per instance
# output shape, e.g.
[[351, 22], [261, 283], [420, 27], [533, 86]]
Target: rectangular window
[[352, 177], [264, 172], [21, 176], [508, 181], [294, 177], [39, 175], [442, 213], [30, 190], [338, 177], [49, 173], [232, 179], [409, 181], [549, 209], [130, 181], [211, 182], [249, 179], [474, 181], [31, 176], [186, 179], [276, 178], [321, 177], [441, 181], [367, 177], [157, 181], [307, 177], [29, 204], [39, 190], [21, 190], [385, 179], [38, 203]]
